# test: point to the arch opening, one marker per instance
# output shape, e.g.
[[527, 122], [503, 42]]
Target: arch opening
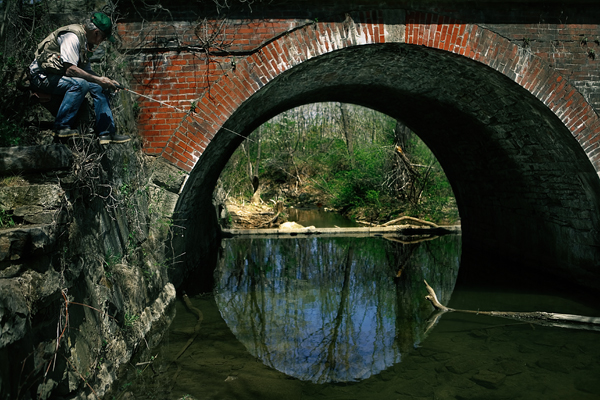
[[524, 186], [341, 157]]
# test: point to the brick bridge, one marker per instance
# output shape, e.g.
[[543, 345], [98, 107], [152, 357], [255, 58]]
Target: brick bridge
[[505, 94]]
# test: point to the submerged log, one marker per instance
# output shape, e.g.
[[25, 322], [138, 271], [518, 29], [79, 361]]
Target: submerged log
[[200, 316], [536, 317]]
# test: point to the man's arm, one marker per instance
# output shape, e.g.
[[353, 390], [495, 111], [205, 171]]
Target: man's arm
[[76, 72]]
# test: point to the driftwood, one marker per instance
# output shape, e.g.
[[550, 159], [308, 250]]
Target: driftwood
[[366, 223], [536, 317], [403, 218], [411, 219], [269, 222]]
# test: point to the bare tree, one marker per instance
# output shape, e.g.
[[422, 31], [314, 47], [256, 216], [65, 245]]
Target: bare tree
[[348, 131]]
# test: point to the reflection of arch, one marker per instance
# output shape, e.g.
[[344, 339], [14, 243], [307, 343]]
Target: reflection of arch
[[497, 118], [345, 319]]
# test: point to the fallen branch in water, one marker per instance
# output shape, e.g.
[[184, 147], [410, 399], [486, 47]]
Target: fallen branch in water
[[434, 300], [412, 219], [537, 317], [366, 223]]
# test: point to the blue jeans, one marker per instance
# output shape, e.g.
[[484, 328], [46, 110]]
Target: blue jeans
[[74, 91]]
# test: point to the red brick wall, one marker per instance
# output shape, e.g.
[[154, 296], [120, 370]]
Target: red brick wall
[[174, 67]]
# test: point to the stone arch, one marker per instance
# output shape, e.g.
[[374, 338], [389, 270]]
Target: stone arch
[[519, 160], [224, 96]]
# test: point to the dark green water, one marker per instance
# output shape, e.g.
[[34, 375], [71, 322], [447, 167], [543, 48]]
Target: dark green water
[[324, 318], [318, 218]]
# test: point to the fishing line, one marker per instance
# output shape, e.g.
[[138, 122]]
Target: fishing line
[[178, 109]]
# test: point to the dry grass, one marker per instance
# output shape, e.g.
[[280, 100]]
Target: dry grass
[[12, 181]]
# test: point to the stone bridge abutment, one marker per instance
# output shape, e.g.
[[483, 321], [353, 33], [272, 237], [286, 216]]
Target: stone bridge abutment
[[508, 104]]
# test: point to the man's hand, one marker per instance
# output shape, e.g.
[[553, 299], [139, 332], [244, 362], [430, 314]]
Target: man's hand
[[108, 83]]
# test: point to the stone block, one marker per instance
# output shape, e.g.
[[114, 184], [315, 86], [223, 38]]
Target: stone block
[[489, 379], [13, 312], [26, 242], [167, 176], [44, 197], [25, 159]]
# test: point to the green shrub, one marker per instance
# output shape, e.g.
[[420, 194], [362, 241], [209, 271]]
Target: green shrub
[[6, 220], [306, 151], [10, 133]]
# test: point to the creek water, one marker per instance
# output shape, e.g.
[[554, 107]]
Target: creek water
[[346, 318], [319, 218]]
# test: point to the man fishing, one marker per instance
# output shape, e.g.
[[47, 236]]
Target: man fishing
[[61, 67]]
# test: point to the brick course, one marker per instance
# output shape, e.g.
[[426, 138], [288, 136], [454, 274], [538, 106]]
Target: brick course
[[552, 61]]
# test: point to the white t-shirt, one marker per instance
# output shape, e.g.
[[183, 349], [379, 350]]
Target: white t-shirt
[[69, 48], [69, 52]]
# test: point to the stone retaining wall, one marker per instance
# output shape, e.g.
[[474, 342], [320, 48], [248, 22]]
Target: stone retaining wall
[[83, 263]]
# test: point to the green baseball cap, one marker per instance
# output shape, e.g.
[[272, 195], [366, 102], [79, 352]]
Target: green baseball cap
[[103, 22]]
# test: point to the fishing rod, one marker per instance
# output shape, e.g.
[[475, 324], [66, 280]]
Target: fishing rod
[[121, 87]]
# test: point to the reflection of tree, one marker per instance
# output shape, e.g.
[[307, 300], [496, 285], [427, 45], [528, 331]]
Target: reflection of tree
[[257, 312], [329, 355], [436, 261], [319, 309]]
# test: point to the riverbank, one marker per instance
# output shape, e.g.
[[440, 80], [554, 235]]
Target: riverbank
[[263, 221]]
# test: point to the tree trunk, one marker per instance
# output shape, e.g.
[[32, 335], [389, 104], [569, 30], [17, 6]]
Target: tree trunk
[[348, 133], [402, 136]]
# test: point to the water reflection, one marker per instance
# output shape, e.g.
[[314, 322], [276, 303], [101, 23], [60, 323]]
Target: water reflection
[[331, 309], [318, 218]]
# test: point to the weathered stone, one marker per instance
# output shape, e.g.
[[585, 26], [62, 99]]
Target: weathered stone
[[79, 265], [37, 215], [167, 176], [11, 271], [488, 379], [42, 197], [395, 28], [162, 203], [151, 314], [509, 367], [13, 312], [460, 365], [26, 210], [26, 242], [34, 158], [38, 287]]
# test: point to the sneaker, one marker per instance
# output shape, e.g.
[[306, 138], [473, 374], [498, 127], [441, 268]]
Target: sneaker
[[114, 138], [67, 133], [104, 139]]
